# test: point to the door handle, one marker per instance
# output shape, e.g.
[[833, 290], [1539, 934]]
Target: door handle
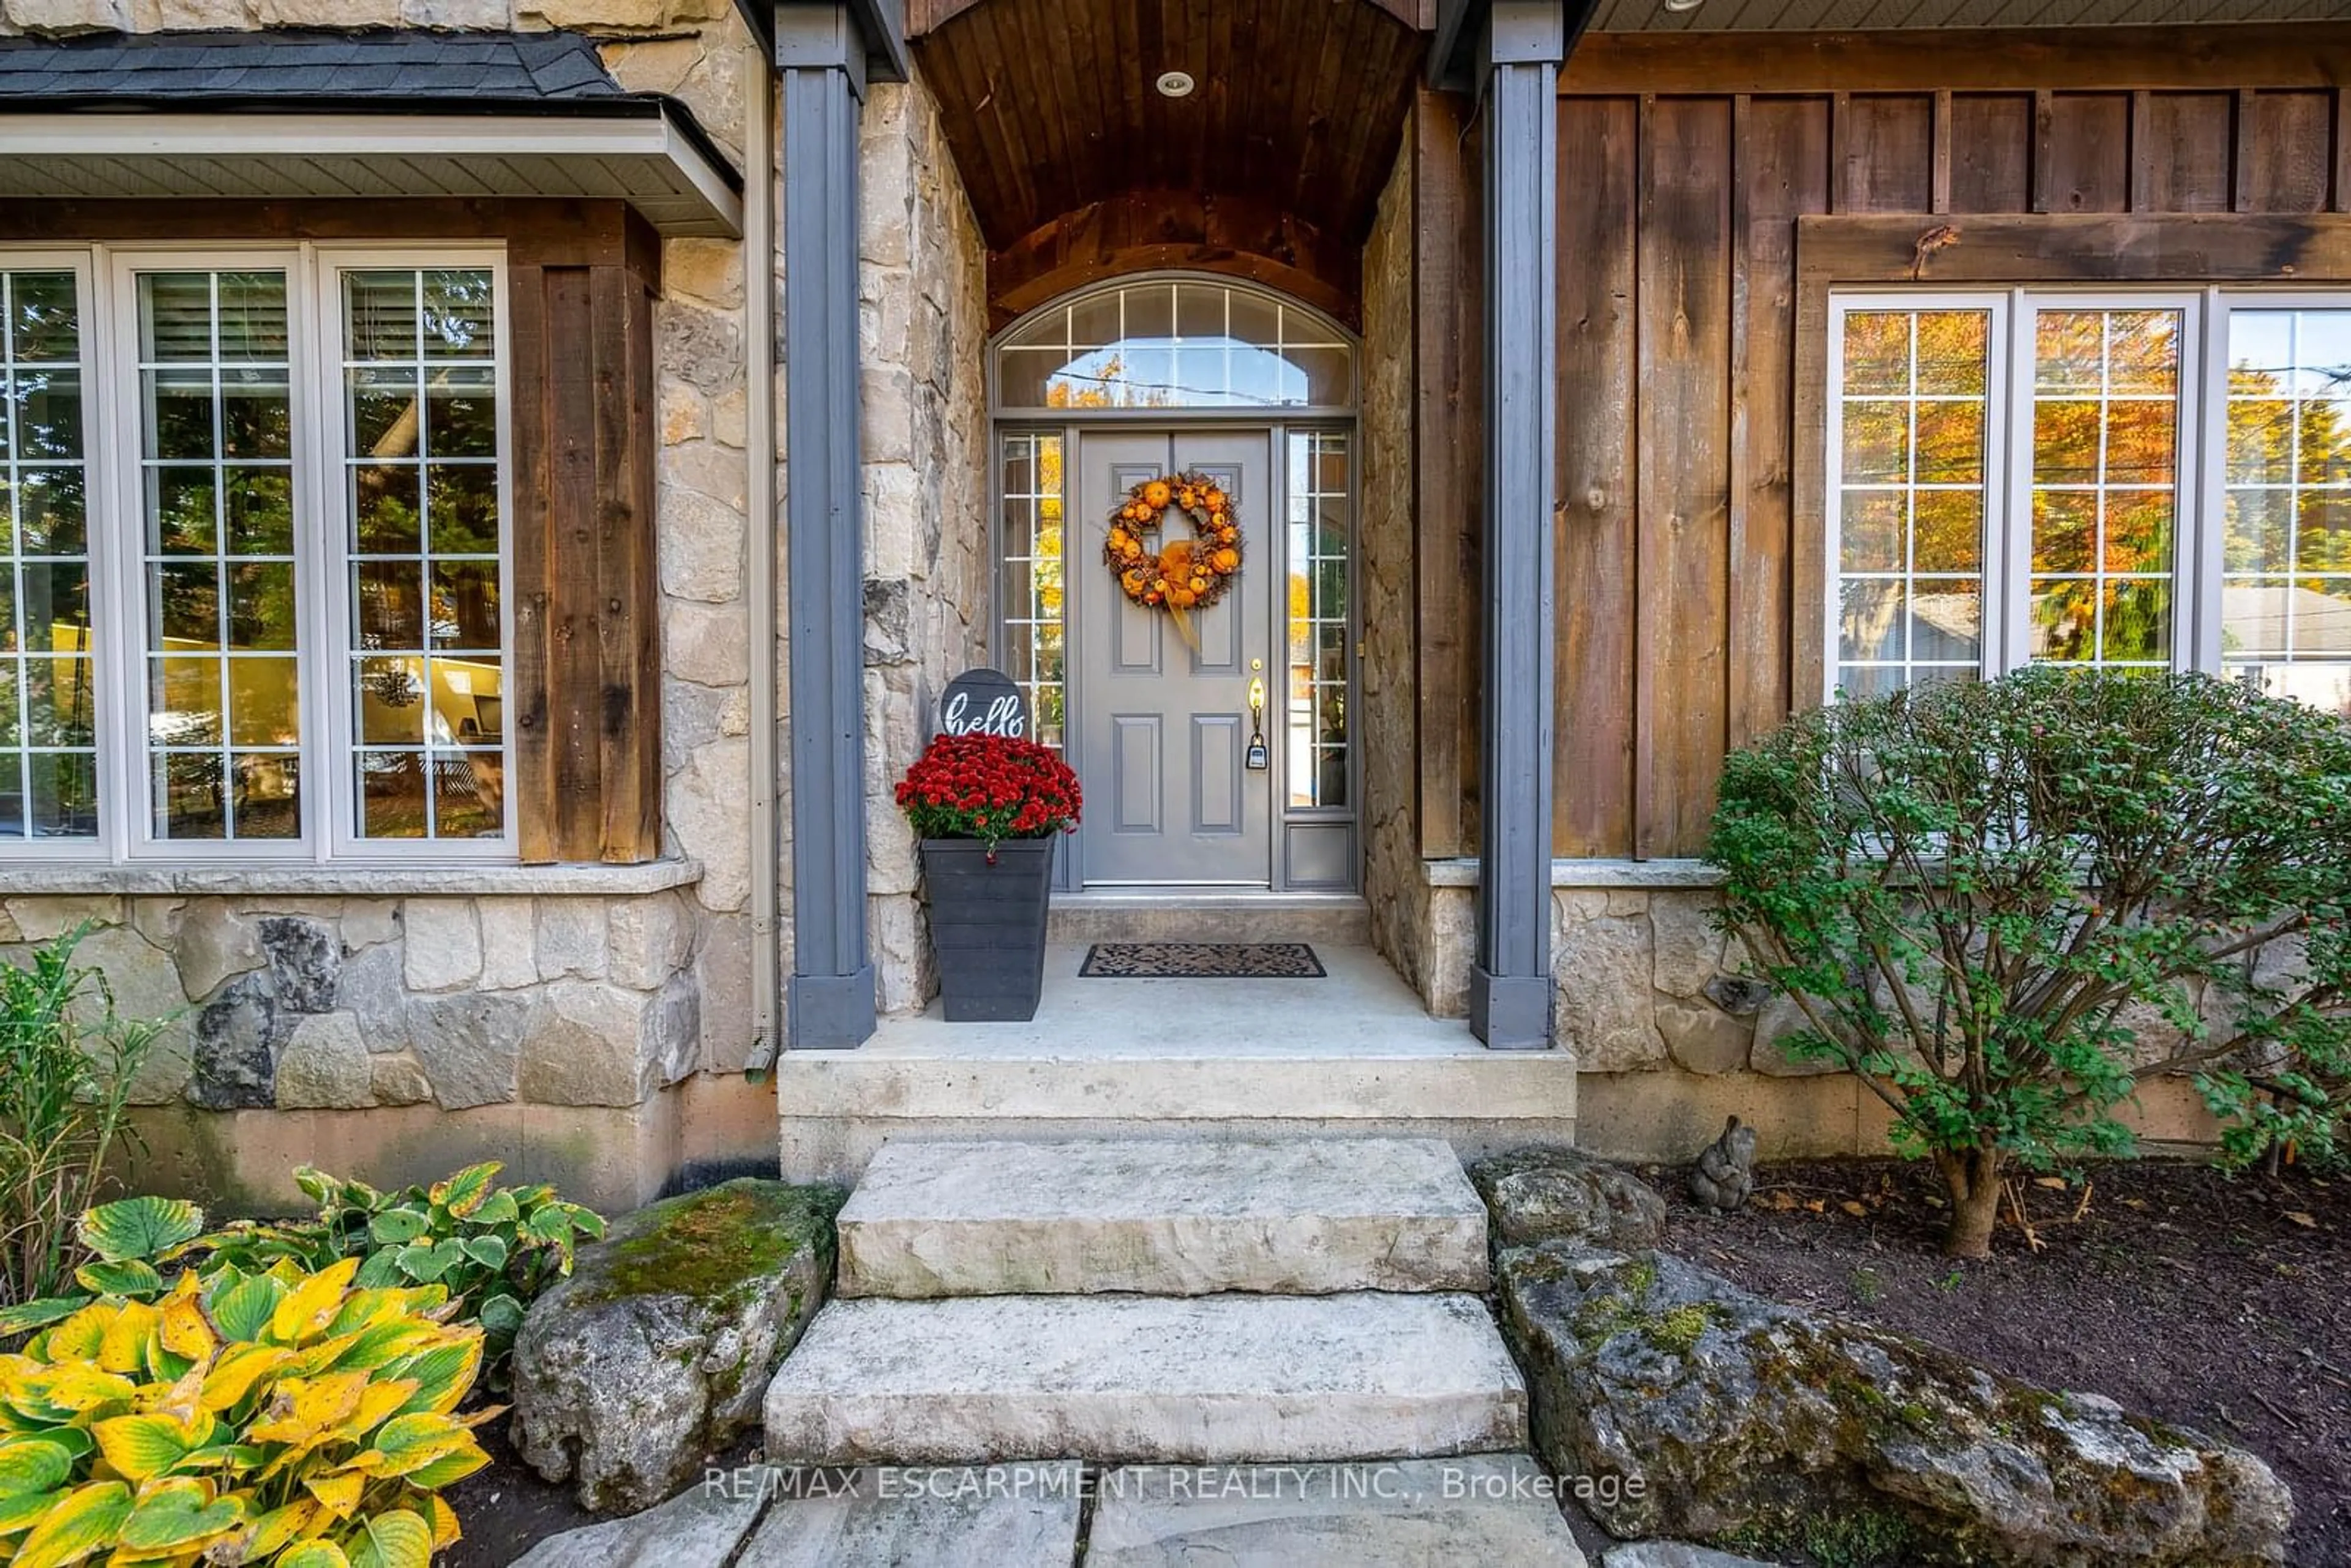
[[1260, 757]]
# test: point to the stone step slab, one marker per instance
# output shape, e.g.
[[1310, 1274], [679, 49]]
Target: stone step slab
[[1481, 1509], [761, 1517], [1008, 1516], [1301, 1217], [1141, 1379]]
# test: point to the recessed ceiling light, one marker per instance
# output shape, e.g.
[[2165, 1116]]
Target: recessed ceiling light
[[1677, 6], [1176, 84]]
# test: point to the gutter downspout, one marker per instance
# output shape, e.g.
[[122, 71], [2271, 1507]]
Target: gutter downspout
[[762, 364]]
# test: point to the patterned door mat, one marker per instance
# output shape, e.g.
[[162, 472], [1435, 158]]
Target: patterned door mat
[[1201, 961]]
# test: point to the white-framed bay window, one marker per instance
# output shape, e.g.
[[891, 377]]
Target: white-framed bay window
[[2115, 478], [257, 561]]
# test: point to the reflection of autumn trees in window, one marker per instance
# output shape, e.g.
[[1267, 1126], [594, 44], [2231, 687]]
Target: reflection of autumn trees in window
[[2104, 472], [1911, 496], [1034, 584]]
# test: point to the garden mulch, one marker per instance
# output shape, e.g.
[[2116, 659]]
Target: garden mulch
[[2213, 1301]]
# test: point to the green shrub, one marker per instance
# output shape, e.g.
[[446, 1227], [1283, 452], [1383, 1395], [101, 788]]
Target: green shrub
[[1982, 895], [65, 1080], [281, 1417], [493, 1248]]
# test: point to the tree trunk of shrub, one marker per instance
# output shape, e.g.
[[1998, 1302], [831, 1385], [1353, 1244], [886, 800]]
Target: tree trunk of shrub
[[1971, 1177]]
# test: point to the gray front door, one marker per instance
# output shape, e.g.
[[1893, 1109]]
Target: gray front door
[[1163, 728]]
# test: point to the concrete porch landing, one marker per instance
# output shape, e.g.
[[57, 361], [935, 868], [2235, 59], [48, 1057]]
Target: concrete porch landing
[[1351, 1054]]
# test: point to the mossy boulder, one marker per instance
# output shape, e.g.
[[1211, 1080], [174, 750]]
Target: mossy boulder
[[1768, 1429], [1557, 1195], [657, 1350]]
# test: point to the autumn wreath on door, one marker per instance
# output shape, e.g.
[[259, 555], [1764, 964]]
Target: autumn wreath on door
[[1181, 575]]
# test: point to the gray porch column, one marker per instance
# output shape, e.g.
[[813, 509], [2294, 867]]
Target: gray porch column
[[822, 53], [1515, 55]]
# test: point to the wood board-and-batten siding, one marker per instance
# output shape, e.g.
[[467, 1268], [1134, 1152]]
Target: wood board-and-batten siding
[[1684, 628]]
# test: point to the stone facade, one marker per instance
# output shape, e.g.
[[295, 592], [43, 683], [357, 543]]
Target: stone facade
[[306, 1003], [923, 331]]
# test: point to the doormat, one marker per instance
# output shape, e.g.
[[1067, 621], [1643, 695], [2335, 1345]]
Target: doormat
[[1201, 961]]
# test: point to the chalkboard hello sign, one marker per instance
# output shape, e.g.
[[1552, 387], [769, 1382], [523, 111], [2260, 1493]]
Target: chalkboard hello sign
[[984, 702]]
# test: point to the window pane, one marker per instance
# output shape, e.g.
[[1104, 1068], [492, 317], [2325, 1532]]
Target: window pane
[[223, 682], [1033, 579], [1176, 345], [1319, 637], [2285, 584], [426, 586], [49, 758], [1911, 391], [2106, 467]]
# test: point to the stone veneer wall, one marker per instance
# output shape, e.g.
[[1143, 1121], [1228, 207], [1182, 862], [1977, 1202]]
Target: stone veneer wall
[[327, 1004], [923, 336], [1671, 1034]]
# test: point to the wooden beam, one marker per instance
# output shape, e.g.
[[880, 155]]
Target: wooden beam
[[536, 231], [1446, 289], [2065, 59], [2058, 248]]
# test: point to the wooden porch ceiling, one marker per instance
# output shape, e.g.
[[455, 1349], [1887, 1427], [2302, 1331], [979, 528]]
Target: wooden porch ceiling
[[1050, 111]]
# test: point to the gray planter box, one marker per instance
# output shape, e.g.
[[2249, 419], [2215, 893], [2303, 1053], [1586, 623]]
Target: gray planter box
[[988, 925]]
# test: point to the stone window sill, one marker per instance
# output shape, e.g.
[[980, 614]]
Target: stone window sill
[[64, 879], [1463, 873]]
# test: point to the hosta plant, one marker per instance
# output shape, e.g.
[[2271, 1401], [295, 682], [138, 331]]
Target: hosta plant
[[281, 1417], [493, 1248], [2006, 905]]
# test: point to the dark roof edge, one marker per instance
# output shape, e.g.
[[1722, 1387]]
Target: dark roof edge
[[626, 106]]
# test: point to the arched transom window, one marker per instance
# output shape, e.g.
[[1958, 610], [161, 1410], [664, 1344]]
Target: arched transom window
[[1175, 343]]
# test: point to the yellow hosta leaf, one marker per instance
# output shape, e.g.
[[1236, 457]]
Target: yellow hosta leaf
[[21, 1512], [280, 1527], [409, 1443], [311, 1304], [338, 1493], [326, 1355], [178, 1516], [183, 1398], [449, 1470], [33, 1464], [241, 1366], [314, 1554], [443, 1519], [141, 1446], [124, 1346], [396, 1540], [303, 1410], [84, 1521], [78, 1337], [444, 1374], [185, 1332], [80, 1388], [380, 1401]]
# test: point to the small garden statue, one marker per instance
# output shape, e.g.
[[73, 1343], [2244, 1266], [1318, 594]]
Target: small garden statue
[[1725, 1169]]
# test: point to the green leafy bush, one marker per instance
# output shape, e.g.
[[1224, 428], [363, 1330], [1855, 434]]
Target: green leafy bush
[[279, 1417], [2005, 905], [65, 1080], [493, 1248]]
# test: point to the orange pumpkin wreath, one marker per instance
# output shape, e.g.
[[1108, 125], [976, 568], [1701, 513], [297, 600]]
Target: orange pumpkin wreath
[[1181, 575]]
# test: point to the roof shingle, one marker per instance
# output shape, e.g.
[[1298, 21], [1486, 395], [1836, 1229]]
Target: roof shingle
[[196, 66]]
